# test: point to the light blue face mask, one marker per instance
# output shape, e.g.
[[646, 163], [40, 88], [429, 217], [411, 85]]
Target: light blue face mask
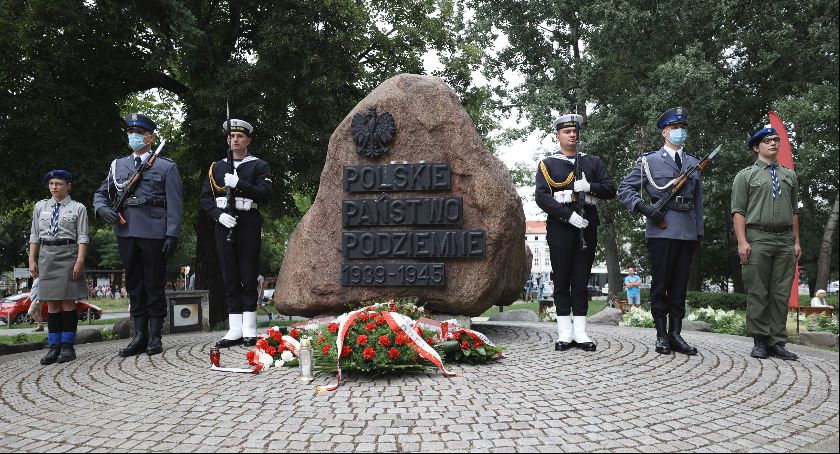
[[135, 141], [677, 136]]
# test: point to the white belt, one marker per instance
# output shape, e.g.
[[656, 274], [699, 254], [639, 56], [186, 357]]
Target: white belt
[[568, 196], [242, 204]]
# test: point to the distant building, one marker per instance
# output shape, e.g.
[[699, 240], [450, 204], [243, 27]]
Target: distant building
[[541, 263]]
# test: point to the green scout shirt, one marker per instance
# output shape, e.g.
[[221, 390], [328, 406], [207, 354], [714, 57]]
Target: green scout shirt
[[752, 195]]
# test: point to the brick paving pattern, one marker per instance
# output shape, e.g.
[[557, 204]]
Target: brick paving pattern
[[624, 397]]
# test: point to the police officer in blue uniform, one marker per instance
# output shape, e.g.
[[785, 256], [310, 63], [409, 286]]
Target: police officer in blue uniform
[[239, 259], [558, 191], [150, 235], [670, 249]]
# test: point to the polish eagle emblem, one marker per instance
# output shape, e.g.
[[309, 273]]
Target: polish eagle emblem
[[372, 132]]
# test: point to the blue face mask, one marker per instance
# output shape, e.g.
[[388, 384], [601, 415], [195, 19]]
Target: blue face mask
[[677, 136], [135, 141]]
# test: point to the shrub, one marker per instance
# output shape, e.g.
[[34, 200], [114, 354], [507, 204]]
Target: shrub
[[726, 322], [637, 317], [550, 314], [822, 323], [725, 301]]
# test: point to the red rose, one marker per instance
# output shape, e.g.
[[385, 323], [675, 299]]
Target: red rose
[[346, 351], [361, 339], [277, 336], [456, 335], [270, 350], [262, 344], [333, 327], [370, 326], [384, 341], [363, 317], [402, 339], [369, 353], [295, 334], [465, 345], [477, 344], [326, 350], [393, 353], [430, 340], [251, 356]]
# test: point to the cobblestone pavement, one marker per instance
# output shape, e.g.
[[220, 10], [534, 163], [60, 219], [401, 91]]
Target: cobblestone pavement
[[624, 397]]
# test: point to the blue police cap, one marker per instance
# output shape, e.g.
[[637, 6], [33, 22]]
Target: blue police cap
[[761, 134], [60, 174], [137, 120], [671, 116]]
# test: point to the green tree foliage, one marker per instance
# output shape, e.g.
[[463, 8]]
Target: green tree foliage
[[729, 63]]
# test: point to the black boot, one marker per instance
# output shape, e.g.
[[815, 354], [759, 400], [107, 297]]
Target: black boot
[[140, 340], [678, 344], [778, 350], [759, 348], [662, 344], [68, 353], [51, 356], [155, 345]]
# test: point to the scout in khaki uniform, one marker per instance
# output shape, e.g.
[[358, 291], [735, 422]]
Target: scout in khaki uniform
[[58, 242], [764, 213]]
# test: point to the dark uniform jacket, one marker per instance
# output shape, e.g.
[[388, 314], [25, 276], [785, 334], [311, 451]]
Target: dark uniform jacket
[[561, 172], [254, 183], [156, 208]]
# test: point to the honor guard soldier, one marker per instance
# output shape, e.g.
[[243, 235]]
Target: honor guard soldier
[[764, 213], [238, 240], [149, 235], [568, 185], [670, 249]]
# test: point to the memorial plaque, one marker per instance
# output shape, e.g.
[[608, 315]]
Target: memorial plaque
[[413, 243], [382, 274], [386, 211], [421, 176]]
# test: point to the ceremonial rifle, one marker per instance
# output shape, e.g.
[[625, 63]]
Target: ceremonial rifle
[[662, 204], [229, 197], [131, 184], [581, 197]]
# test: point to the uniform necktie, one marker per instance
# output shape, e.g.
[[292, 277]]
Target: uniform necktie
[[54, 221], [137, 162], [678, 159], [774, 177]]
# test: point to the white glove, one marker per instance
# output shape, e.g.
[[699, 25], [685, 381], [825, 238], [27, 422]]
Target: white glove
[[227, 220], [580, 185], [578, 221], [231, 180]]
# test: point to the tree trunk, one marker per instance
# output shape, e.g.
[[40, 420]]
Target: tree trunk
[[695, 278], [208, 273], [827, 246], [611, 252]]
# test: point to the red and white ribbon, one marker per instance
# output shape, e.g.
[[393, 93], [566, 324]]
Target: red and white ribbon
[[401, 324]]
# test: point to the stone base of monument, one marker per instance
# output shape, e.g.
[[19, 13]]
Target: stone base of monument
[[186, 310]]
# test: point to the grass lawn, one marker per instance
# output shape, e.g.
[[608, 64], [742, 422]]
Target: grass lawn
[[23, 338], [595, 306], [110, 305]]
